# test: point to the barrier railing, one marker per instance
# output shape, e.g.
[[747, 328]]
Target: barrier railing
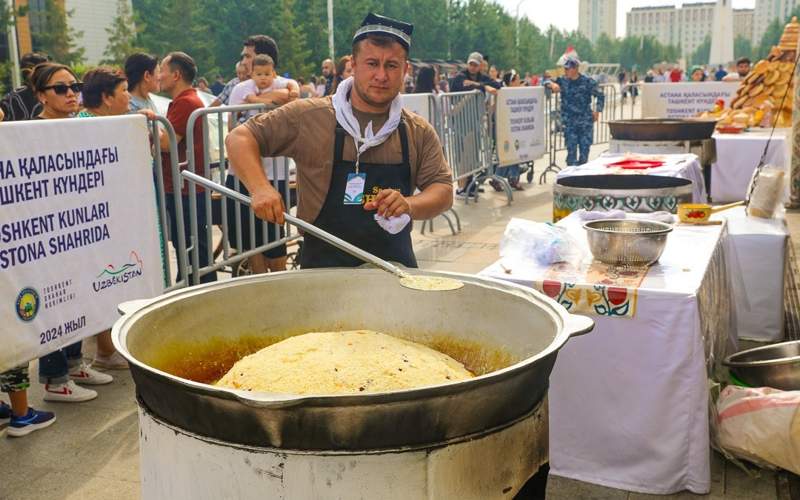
[[553, 123], [215, 209], [161, 123]]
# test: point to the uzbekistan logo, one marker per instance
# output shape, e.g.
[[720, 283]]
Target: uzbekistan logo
[[112, 276], [27, 304]]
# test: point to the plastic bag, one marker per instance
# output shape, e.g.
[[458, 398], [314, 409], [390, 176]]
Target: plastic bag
[[544, 243], [766, 192], [761, 424]]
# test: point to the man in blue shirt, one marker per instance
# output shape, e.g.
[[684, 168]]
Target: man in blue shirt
[[577, 116]]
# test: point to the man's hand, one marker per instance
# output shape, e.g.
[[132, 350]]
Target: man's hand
[[555, 88], [251, 99], [146, 112], [267, 204], [389, 203], [490, 89], [471, 83], [595, 115]]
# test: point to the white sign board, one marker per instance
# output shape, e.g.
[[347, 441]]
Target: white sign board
[[520, 124], [78, 230], [419, 104], [685, 99]]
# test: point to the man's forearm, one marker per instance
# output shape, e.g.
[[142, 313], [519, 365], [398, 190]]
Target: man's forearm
[[432, 201], [245, 159]]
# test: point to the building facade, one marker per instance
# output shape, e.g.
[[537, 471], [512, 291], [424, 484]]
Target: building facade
[[686, 26], [767, 11], [596, 17], [743, 23], [91, 18]]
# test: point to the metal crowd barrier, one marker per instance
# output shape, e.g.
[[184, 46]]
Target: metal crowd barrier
[[555, 128], [217, 206], [161, 201]]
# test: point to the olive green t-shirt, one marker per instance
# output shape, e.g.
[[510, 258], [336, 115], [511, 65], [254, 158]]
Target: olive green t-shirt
[[305, 131]]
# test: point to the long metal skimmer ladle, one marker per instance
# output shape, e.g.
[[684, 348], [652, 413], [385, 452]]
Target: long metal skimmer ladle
[[412, 281]]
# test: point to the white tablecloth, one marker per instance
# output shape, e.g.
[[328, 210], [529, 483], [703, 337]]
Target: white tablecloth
[[685, 166], [737, 157], [759, 245], [629, 401]]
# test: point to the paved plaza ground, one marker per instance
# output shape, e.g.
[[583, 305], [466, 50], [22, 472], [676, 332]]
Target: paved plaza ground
[[91, 452]]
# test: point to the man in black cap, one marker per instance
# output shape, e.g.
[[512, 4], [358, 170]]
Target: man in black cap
[[360, 156]]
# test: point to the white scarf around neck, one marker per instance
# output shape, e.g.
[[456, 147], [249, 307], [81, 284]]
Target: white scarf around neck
[[348, 121]]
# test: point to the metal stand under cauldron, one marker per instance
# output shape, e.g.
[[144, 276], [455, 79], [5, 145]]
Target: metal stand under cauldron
[[177, 464]]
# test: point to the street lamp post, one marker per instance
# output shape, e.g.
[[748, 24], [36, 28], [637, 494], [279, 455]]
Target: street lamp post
[[331, 50], [13, 50], [516, 33]]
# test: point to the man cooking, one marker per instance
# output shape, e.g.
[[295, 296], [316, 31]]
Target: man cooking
[[360, 156]]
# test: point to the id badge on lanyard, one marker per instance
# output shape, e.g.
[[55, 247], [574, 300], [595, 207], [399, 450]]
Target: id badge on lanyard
[[354, 190]]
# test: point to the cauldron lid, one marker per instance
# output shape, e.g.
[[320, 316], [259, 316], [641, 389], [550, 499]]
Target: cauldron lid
[[631, 182]]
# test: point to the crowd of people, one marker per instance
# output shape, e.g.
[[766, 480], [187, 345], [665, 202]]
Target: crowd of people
[[55, 91]]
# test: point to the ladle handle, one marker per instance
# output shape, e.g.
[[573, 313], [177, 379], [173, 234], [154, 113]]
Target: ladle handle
[[725, 207], [305, 226]]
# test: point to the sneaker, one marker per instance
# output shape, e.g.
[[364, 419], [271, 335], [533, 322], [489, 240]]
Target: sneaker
[[113, 362], [517, 185], [33, 421], [84, 374], [496, 185], [68, 393], [5, 413], [461, 194]]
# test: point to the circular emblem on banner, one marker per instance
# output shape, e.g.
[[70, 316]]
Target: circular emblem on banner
[[506, 146], [27, 304]]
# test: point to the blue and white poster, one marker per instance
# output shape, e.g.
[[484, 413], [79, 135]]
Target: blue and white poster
[[78, 230]]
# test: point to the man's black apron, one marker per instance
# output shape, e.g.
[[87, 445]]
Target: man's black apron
[[354, 224]]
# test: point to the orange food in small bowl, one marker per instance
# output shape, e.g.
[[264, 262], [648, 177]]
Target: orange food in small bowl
[[694, 212]]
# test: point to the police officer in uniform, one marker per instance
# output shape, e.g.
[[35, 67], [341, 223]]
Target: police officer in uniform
[[577, 116], [365, 166]]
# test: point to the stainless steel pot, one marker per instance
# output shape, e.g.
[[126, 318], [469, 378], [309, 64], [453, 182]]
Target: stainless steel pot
[[526, 325], [776, 365]]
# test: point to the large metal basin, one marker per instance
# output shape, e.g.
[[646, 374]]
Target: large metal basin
[[629, 193], [501, 317], [661, 129], [776, 365]]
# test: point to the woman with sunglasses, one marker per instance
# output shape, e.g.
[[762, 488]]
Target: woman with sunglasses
[[57, 88]]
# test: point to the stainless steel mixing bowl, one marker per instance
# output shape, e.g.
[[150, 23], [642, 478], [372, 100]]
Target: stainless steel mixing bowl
[[776, 365], [627, 242]]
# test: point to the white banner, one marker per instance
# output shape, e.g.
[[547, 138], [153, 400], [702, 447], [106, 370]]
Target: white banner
[[419, 104], [684, 100], [78, 230], [520, 124]]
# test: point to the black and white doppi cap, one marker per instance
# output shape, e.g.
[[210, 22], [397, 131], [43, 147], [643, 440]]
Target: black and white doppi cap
[[374, 24]]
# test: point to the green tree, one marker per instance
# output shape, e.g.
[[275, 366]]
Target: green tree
[[294, 56], [122, 35], [702, 52], [742, 47], [5, 65], [771, 37], [58, 39]]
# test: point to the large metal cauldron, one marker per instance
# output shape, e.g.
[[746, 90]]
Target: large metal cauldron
[[528, 326], [629, 193], [661, 129]]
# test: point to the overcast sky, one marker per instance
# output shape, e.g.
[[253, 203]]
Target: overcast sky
[[564, 13]]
